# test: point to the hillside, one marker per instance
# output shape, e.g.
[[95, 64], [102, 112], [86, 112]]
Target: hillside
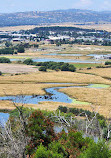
[[50, 17]]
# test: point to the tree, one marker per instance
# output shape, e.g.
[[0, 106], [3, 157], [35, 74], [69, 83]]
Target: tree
[[4, 60], [8, 44], [21, 49], [36, 45], [43, 68], [13, 139], [40, 130], [28, 61], [99, 150]]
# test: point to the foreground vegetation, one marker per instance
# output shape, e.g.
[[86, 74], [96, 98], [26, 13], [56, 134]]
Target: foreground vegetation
[[32, 134]]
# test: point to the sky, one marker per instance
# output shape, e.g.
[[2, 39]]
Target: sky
[[10, 6]]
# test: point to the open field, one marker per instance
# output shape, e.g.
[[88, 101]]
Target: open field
[[104, 72], [98, 97], [62, 77], [86, 65], [34, 83], [26, 88], [106, 27], [17, 68], [17, 28]]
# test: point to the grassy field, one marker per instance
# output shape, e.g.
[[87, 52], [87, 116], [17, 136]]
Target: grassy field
[[62, 77], [104, 72], [86, 65], [34, 83], [17, 28], [98, 97], [106, 27]]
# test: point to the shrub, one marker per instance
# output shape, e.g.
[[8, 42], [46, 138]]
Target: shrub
[[7, 51], [40, 130], [72, 68], [21, 49], [4, 60], [42, 152], [0, 73], [107, 63], [88, 68], [43, 68], [28, 61], [99, 150], [58, 149], [36, 45], [73, 142], [65, 67], [57, 66], [63, 109]]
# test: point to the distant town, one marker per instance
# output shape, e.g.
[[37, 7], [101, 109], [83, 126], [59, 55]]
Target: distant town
[[57, 35]]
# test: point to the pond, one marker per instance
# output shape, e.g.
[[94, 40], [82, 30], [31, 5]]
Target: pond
[[3, 118], [63, 60], [54, 54], [57, 60]]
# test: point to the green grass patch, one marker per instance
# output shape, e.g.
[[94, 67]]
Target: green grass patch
[[14, 57], [74, 101], [85, 65], [99, 86]]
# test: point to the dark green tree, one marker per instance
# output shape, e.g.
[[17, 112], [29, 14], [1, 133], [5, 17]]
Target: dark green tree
[[21, 49], [43, 68], [28, 61], [40, 130]]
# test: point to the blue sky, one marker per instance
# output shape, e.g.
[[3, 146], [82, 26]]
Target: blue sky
[[8, 6]]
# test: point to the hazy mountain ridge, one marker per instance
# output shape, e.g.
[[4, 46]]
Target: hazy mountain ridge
[[56, 16]]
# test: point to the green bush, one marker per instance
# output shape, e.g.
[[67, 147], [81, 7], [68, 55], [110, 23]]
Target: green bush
[[58, 149], [43, 68], [57, 66], [7, 51], [21, 49], [99, 150], [107, 63], [8, 44], [28, 61], [4, 60], [42, 152], [40, 130]]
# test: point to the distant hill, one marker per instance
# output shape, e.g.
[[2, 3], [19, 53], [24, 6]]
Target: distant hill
[[51, 17]]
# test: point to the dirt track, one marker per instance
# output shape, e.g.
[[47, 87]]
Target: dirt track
[[17, 68]]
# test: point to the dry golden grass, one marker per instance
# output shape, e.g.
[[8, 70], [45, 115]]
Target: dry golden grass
[[17, 28], [97, 97], [45, 105], [25, 89], [39, 77], [106, 27], [51, 106], [104, 72], [33, 84]]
